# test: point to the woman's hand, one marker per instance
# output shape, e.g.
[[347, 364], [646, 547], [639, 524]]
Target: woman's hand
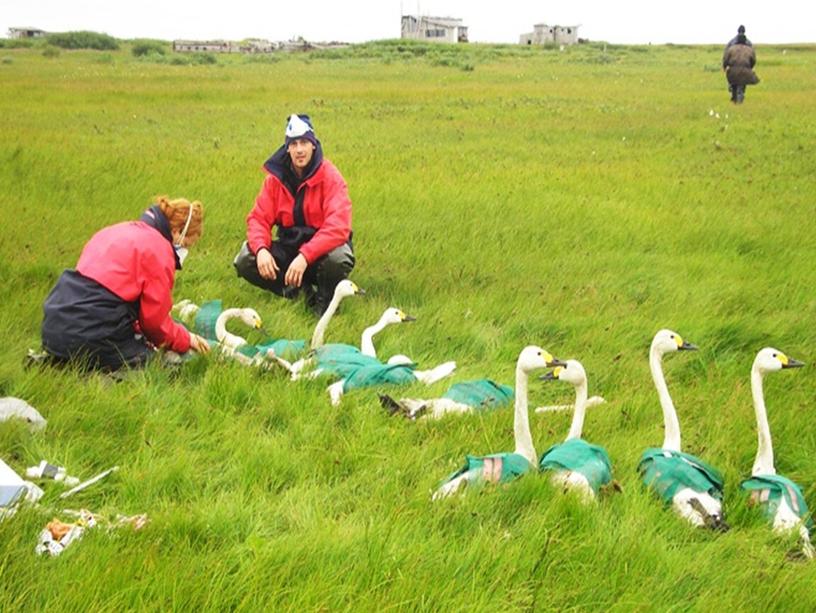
[[199, 343]]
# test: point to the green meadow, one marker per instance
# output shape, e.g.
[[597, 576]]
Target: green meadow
[[504, 196]]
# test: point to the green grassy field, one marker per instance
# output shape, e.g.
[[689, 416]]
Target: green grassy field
[[505, 196]]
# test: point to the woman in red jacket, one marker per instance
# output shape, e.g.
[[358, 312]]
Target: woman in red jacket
[[113, 310], [306, 198]]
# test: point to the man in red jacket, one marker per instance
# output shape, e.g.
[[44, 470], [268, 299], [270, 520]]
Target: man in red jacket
[[306, 197]]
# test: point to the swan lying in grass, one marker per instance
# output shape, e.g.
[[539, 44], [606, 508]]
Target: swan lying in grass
[[339, 359], [577, 465], [691, 486], [592, 401], [505, 467], [781, 499], [463, 397]]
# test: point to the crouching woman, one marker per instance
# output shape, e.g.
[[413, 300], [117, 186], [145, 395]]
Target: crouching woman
[[113, 310]]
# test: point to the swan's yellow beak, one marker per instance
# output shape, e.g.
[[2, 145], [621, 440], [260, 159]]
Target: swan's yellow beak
[[553, 374], [788, 362]]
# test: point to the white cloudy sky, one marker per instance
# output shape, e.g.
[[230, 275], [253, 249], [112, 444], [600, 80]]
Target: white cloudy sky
[[621, 21]]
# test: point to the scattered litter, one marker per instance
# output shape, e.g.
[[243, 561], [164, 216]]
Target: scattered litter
[[44, 470], [57, 535], [14, 490], [15, 408], [89, 482]]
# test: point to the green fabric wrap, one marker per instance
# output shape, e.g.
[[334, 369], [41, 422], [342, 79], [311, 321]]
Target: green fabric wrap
[[578, 456], [666, 472], [772, 489], [339, 360], [480, 394], [206, 317], [378, 374], [205, 326], [494, 468]]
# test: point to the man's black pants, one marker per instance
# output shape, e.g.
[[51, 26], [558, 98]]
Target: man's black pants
[[319, 280]]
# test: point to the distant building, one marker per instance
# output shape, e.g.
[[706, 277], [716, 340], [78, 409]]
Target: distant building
[[543, 34], [434, 29], [256, 45], [26, 33], [210, 46]]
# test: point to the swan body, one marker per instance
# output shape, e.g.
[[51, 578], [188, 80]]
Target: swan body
[[575, 464], [462, 397], [692, 487], [780, 498], [505, 467]]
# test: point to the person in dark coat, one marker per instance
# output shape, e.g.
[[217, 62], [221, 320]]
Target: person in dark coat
[[738, 64], [306, 199], [733, 41], [113, 310]]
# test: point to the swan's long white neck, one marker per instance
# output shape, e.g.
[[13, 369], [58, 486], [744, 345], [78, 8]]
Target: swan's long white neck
[[323, 322], [580, 411], [221, 334], [367, 340], [764, 462], [521, 419], [671, 438]]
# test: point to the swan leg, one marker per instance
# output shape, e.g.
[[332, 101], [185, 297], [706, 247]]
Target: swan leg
[[336, 392], [435, 374], [451, 487]]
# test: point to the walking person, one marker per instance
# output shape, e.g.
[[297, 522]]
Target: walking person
[[113, 310], [306, 199], [738, 63]]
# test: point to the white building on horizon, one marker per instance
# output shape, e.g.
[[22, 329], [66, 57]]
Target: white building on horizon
[[543, 34], [434, 29]]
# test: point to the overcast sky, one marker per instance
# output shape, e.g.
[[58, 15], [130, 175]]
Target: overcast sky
[[624, 21]]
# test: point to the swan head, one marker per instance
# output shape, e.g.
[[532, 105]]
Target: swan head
[[393, 315], [572, 372], [771, 360], [347, 288], [250, 317], [534, 358], [667, 341]]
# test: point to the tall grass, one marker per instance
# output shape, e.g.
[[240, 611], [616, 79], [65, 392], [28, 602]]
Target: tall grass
[[579, 200]]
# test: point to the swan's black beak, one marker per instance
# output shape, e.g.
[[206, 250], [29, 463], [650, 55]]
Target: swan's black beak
[[548, 376], [686, 346], [409, 318], [556, 362], [793, 364], [360, 291]]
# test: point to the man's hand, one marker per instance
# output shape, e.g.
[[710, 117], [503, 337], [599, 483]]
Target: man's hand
[[267, 267], [199, 344], [294, 275]]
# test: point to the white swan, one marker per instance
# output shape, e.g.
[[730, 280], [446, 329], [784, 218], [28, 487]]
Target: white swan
[[390, 317], [592, 401], [691, 486], [781, 499], [504, 467], [343, 289], [576, 464]]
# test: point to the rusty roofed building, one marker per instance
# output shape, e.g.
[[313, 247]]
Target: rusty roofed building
[[434, 29]]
